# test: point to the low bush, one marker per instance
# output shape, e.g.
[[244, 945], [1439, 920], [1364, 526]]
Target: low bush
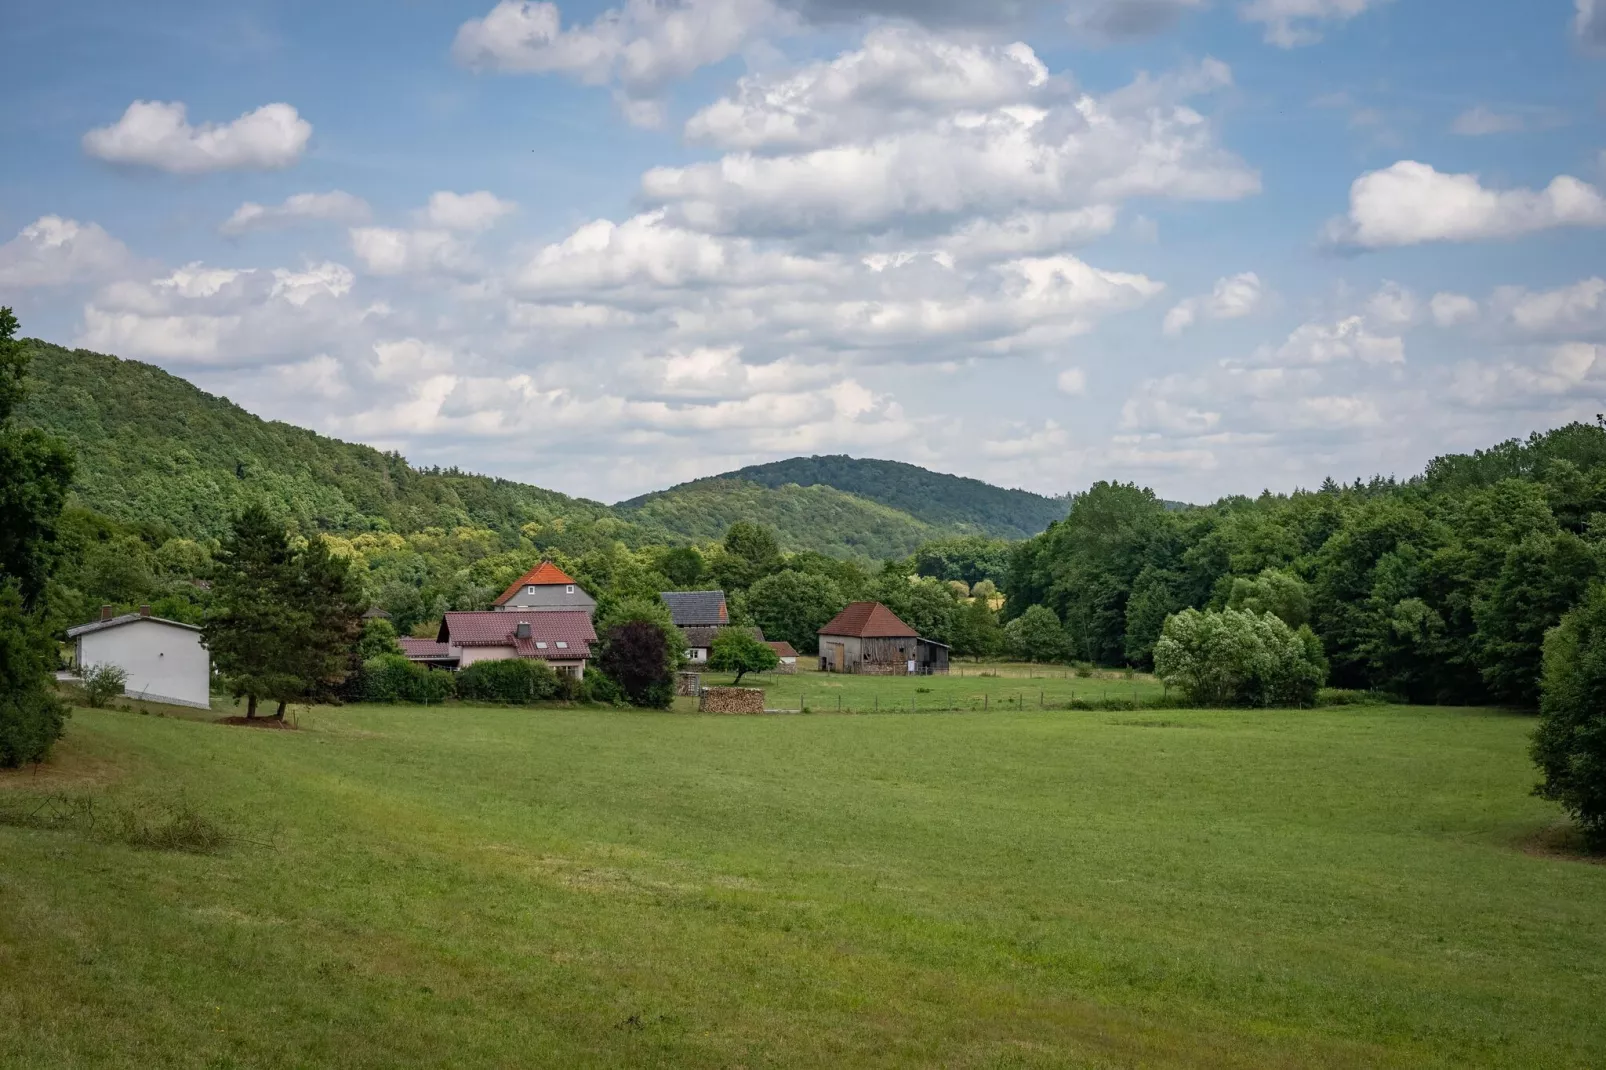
[[1337, 696], [102, 683], [599, 687], [391, 678], [516, 681]]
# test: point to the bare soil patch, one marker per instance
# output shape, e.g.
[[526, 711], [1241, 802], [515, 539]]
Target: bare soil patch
[[259, 722], [1560, 841]]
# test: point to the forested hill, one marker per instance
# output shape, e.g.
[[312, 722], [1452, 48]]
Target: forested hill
[[156, 452], [955, 504]]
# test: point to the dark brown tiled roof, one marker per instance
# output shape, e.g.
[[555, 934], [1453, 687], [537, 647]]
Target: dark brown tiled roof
[[868, 620], [783, 650], [548, 628], [546, 574]]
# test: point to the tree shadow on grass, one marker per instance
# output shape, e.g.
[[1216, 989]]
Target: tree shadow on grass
[[1562, 841]]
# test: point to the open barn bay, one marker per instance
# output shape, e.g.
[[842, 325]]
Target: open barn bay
[[411, 887]]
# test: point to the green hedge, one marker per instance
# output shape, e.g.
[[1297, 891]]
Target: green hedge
[[392, 678], [513, 680]]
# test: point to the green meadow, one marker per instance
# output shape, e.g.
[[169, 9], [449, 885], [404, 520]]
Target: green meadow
[[1355, 887], [981, 687]]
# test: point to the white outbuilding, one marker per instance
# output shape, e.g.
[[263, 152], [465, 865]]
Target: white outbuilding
[[164, 659]]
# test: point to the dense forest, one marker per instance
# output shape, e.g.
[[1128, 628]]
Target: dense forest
[[967, 506], [1438, 589]]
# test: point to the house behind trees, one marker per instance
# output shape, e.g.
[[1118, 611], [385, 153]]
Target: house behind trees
[[545, 588], [700, 616], [869, 639], [544, 615]]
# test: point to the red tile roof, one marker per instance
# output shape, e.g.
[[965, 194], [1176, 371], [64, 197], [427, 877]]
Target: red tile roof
[[572, 627], [546, 574], [424, 649], [868, 620], [783, 650]]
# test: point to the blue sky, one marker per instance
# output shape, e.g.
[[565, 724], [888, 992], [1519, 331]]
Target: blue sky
[[1209, 245]]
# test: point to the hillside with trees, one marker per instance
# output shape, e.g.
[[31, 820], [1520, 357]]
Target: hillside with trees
[[158, 453], [956, 503]]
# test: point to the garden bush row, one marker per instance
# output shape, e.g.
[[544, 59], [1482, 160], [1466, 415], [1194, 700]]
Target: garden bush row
[[391, 679]]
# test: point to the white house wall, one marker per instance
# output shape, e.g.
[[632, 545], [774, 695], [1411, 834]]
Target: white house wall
[[164, 663]]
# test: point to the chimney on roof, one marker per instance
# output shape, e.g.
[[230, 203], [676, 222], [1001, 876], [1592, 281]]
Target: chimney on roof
[[105, 612], [523, 630], [144, 611]]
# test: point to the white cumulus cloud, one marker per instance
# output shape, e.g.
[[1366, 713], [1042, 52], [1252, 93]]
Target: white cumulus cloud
[[336, 206], [52, 251], [1590, 23], [638, 48], [1232, 298], [1411, 203], [225, 316], [466, 211], [157, 134], [1072, 381], [1290, 23], [908, 132], [1452, 309]]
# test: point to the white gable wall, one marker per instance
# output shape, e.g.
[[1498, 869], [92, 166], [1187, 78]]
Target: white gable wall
[[164, 663]]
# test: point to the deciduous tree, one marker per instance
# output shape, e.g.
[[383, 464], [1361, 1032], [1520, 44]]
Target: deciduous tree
[[735, 650], [1570, 744], [792, 606]]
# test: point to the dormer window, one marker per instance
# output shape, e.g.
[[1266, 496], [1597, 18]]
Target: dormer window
[[569, 589]]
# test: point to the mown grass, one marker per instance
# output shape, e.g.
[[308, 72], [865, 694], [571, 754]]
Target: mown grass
[[499, 887], [978, 687]]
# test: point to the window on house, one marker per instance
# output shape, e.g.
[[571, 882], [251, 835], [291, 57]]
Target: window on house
[[540, 646], [569, 589], [562, 645], [530, 589]]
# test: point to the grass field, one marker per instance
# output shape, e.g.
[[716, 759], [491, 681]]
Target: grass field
[[1353, 887], [983, 687]]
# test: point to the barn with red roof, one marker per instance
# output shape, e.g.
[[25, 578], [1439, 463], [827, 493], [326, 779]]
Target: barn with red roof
[[869, 639]]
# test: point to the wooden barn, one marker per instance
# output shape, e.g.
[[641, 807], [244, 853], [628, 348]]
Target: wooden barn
[[869, 639]]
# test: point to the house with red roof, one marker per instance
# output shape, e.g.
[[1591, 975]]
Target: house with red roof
[[545, 588], [869, 639], [560, 637]]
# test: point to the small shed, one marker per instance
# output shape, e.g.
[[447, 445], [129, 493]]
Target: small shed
[[869, 639], [164, 659], [788, 656]]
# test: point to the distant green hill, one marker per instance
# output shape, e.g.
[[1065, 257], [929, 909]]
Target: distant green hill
[[954, 504], [155, 450], [806, 518]]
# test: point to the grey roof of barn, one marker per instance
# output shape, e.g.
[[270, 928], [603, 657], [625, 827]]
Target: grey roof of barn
[[126, 618], [692, 608]]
